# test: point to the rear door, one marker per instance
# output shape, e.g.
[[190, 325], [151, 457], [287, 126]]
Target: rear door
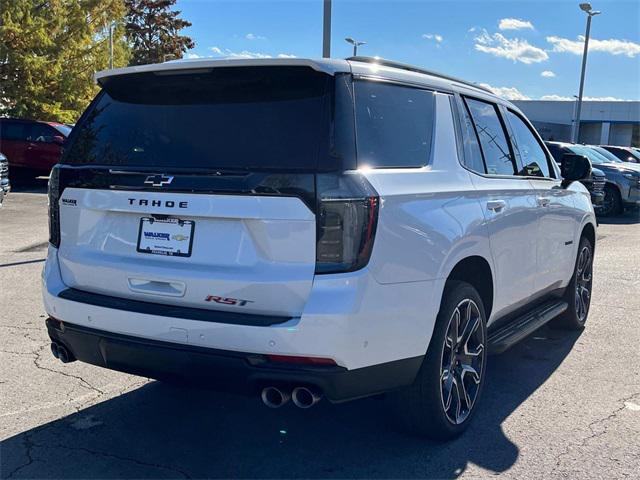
[[557, 222], [13, 143], [198, 190], [508, 202], [42, 153]]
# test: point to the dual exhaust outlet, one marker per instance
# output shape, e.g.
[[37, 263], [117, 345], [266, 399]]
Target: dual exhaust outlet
[[302, 397], [61, 353]]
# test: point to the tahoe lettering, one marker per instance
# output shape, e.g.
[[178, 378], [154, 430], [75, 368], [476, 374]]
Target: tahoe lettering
[[157, 203]]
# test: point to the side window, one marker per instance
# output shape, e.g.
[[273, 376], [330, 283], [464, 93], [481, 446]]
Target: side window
[[472, 153], [556, 151], [40, 133], [532, 156], [394, 124], [13, 131], [495, 148]]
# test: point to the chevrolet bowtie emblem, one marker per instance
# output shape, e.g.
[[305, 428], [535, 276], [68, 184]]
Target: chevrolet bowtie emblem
[[158, 180]]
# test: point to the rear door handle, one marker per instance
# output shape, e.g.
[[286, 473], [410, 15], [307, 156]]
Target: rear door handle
[[544, 201], [496, 205]]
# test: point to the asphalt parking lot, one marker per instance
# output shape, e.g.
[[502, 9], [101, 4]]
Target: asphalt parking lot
[[557, 405]]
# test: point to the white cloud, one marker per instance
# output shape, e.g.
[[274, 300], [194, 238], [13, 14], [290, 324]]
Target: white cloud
[[548, 74], [612, 46], [562, 98], [555, 97], [471, 30], [515, 49], [191, 56], [433, 36], [510, 93], [514, 24], [225, 52], [253, 36]]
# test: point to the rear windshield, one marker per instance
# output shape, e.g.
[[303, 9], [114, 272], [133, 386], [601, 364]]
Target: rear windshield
[[234, 118]]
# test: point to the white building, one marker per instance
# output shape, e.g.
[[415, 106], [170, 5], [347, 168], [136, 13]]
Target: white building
[[601, 123]]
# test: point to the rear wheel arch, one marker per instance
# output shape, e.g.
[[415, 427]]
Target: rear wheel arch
[[476, 271], [589, 232]]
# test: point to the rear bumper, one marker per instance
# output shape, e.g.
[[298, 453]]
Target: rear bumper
[[349, 318], [224, 370]]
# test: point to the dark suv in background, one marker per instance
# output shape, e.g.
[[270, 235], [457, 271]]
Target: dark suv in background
[[626, 154], [622, 179], [32, 147]]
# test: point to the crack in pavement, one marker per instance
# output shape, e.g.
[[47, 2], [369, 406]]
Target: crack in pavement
[[83, 382], [28, 448], [30, 445], [594, 434]]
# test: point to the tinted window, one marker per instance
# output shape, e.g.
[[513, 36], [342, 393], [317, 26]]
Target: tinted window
[[607, 154], [234, 118], [556, 151], [394, 124], [493, 141], [532, 156], [472, 153], [65, 130], [39, 132], [591, 154], [13, 131]]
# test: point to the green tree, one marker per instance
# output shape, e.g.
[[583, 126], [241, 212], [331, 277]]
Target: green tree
[[49, 51], [153, 30]]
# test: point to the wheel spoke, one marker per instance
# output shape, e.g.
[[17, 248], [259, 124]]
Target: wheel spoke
[[469, 329], [447, 381], [458, 400], [474, 353], [455, 327], [472, 372]]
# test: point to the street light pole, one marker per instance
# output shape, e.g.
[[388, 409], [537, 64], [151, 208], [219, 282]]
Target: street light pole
[[326, 29], [355, 44], [110, 46], [586, 7]]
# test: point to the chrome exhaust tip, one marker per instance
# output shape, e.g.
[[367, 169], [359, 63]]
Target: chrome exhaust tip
[[273, 397], [304, 397]]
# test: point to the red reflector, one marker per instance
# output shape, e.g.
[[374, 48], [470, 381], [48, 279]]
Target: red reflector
[[301, 360]]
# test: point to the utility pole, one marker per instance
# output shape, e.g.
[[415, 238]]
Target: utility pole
[[585, 7], [326, 29]]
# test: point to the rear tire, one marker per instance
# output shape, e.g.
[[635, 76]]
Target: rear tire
[[578, 292], [444, 396]]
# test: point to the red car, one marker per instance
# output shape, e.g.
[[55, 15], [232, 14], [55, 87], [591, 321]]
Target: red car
[[32, 146]]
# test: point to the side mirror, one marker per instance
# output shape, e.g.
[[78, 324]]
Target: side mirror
[[574, 168], [58, 140]]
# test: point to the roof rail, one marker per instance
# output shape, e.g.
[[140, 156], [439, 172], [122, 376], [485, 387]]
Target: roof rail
[[411, 68]]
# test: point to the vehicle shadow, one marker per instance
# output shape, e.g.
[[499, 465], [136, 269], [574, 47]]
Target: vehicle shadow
[[629, 217], [170, 432], [29, 185]]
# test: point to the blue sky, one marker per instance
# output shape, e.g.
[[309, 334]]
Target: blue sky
[[522, 49]]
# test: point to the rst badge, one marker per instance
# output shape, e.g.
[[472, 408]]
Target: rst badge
[[227, 300]]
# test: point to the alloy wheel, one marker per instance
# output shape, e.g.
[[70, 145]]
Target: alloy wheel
[[462, 363], [606, 208], [584, 278]]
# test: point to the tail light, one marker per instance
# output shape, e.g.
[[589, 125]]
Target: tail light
[[346, 222], [54, 207]]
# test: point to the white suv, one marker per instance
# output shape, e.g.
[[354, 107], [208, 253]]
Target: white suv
[[306, 228]]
